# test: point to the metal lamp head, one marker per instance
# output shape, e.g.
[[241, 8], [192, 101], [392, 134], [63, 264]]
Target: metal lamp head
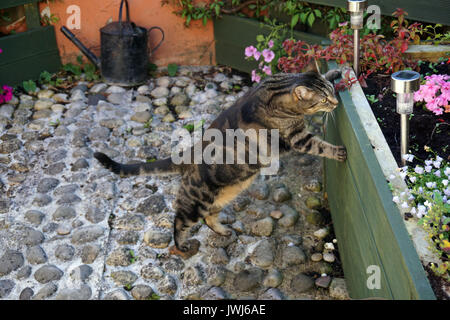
[[404, 83], [356, 9]]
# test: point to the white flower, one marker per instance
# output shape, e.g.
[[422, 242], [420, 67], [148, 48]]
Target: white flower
[[405, 205], [445, 182], [418, 170], [411, 197], [437, 164], [439, 159], [412, 179], [396, 199], [428, 204], [391, 177], [428, 168], [447, 171], [419, 215], [447, 192], [329, 246], [428, 162], [448, 201], [431, 185], [323, 275], [421, 209], [403, 175], [413, 211], [334, 240], [420, 190], [437, 173], [408, 157], [444, 198]]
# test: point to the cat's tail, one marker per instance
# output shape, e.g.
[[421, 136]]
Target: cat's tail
[[164, 166]]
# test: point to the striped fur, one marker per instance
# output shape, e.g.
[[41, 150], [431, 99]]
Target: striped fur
[[278, 102]]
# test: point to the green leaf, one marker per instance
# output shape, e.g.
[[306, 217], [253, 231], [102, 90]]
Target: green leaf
[[29, 86], [318, 13], [260, 38], [172, 69], [303, 16], [311, 19], [294, 20]]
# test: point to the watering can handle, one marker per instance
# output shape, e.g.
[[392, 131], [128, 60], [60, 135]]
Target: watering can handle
[[120, 11], [162, 32]]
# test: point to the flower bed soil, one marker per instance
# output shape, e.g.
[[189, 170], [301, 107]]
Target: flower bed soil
[[426, 128]]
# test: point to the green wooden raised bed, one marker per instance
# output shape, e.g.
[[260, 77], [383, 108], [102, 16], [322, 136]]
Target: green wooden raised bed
[[233, 34], [433, 11], [25, 55], [368, 224]]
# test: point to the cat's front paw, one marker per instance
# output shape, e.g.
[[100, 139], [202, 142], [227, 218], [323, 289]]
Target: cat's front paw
[[340, 153]]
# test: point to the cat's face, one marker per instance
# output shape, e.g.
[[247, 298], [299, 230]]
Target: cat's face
[[315, 95]]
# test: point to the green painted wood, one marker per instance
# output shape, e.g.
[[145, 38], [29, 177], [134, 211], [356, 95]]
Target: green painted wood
[[14, 3], [25, 55], [233, 34], [361, 180], [433, 11], [32, 16]]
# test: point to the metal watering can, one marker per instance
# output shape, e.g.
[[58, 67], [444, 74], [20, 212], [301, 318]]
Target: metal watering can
[[124, 50]]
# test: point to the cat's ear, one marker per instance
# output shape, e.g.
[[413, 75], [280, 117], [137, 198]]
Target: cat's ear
[[312, 67], [303, 93], [333, 74]]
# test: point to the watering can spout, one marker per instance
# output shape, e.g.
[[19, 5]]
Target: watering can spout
[[92, 57]]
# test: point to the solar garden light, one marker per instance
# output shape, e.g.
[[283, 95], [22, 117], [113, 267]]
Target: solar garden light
[[404, 84], [356, 9]]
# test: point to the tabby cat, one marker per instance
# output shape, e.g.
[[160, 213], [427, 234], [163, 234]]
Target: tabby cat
[[278, 102]]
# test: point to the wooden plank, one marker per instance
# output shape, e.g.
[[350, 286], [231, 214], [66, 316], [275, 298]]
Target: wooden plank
[[32, 16], [25, 55], [403, 270], [233, 34], [433, 11], [14, 3], [356, 252]]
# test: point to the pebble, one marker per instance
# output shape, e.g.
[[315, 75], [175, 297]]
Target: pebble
[[263, 227], [26, 294], [10, 261], [120, 257], [36, 255], [313, 202], [46, 291], [34, 217], [262, 254], [281, 194], [83, 293], [338, 289], [260, 191], [43, 104], [64, 252], [157, 239], [152, 205], [248, 279], [290, 217], [64, 213], [323, 282], [48, 273], [321, 233], [86, 234], [329, 257], [142, 292], [118, 294], [293, 255], [89, 253], [273, 279], [301, 283], [159, 92], [141, 117], [123, 277], [316, 257]]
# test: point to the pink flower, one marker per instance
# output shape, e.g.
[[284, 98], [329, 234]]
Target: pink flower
[[250, 51], [270, 44], [256, 55], [267, 70], [255, 77], [268, 55], [1, 50]]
